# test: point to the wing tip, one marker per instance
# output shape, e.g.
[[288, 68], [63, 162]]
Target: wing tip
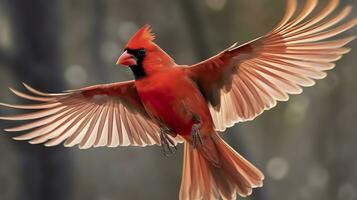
[[13, 129], [351, 38], [20, 138], [83, 147], [68, 144], [346, 50], [8, 118], [35, 141], [50, 144], [7, 105]]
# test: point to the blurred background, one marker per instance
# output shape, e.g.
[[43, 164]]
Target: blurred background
[[306, 147]]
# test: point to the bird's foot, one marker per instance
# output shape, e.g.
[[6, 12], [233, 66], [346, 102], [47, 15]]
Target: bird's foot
[[167, 144], [196, 137]]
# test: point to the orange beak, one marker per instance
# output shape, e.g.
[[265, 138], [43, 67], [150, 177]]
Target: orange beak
[[126, 59]]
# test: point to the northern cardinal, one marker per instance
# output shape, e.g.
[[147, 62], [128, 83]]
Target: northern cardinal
[[169, 103]]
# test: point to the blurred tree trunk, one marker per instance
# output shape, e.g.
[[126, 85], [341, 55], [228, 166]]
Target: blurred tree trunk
[[195, 28], [35, 25], [98, 40]]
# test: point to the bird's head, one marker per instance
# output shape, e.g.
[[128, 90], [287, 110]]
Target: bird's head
[[142, 55]]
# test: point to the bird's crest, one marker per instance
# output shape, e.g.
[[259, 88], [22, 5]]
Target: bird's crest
[[142, 38]]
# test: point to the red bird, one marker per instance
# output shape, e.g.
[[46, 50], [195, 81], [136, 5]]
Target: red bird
[[169, 103]]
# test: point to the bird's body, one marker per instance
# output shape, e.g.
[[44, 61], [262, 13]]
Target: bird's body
[[171, 98], [168, 103]]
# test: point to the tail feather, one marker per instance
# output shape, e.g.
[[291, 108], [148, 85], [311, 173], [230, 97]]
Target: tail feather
[[215, 170]]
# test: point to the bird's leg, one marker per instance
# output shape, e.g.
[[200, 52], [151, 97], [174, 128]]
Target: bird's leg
[[167, 144], [195, 131]]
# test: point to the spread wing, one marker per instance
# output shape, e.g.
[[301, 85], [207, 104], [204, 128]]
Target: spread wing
[[242, 81], [102, 115]]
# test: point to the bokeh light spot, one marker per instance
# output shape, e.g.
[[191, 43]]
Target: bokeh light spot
[[5, 33], [110, 52], [75, 75], [296, 110], [277, 168], [347, 192], [318, 177], [126, 30], [306, 192], [216, 5]]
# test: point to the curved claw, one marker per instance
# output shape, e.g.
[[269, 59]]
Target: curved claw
[[196, 137], [167, 144]]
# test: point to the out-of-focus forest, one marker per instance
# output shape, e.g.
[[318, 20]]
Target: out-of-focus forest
[[306, 147]]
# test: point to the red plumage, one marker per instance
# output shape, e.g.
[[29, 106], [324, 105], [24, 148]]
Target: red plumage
[[168, 103]]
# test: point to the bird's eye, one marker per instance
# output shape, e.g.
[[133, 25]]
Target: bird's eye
[[142, 52]]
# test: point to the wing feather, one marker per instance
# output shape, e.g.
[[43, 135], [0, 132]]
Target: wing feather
[[103, 115], [242, 81], [90, 134], [76, 137]]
